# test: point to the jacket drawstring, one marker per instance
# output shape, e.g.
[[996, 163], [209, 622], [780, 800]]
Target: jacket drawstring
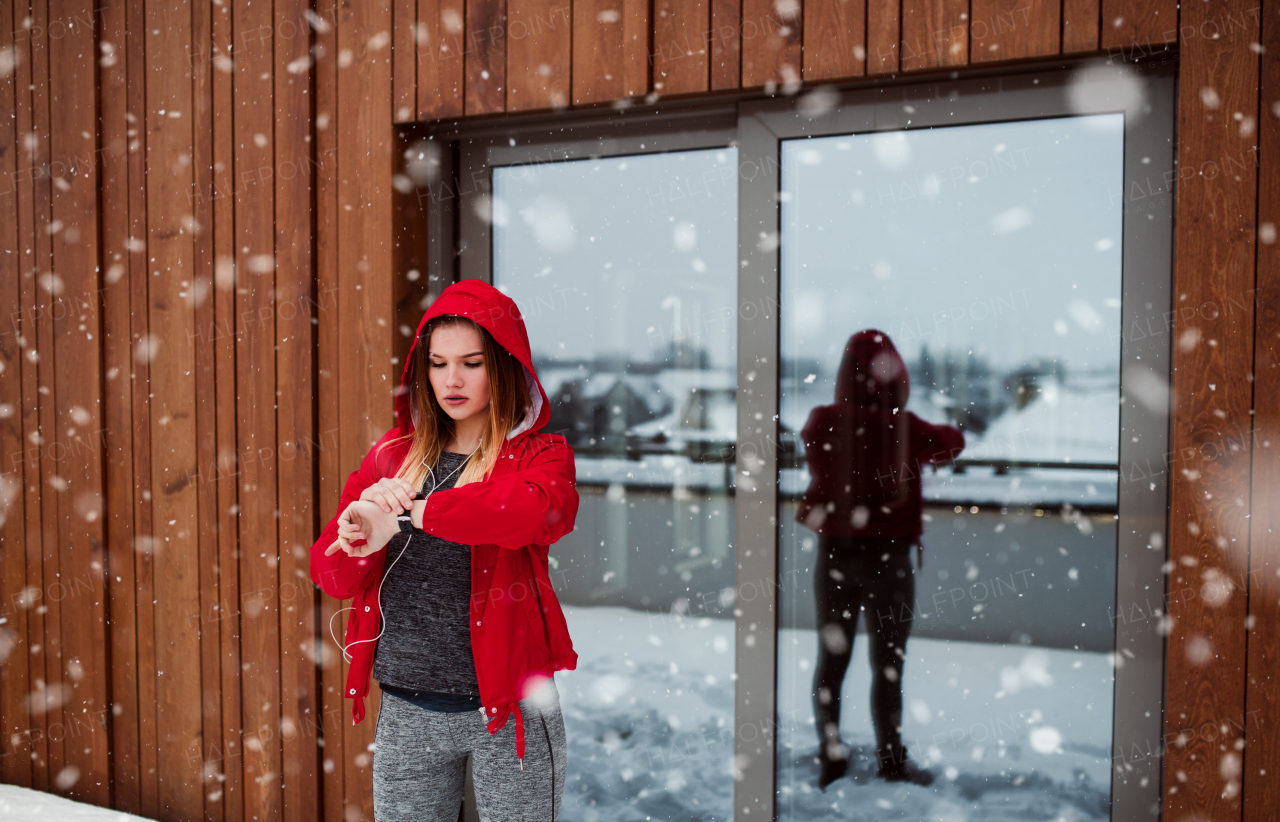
[[520, 736]]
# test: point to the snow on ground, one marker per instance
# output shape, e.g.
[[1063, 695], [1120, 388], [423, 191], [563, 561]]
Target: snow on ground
[[22, 804], [1012, 732]]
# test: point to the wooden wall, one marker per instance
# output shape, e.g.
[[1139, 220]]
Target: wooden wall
[[205, 289]]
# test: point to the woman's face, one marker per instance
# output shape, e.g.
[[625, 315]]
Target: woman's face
[[455, 366]]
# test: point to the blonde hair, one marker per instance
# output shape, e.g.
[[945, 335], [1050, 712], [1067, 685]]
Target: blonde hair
[[433, 427]]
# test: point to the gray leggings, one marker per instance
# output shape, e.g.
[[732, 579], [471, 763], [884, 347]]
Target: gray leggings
[[419, 763]]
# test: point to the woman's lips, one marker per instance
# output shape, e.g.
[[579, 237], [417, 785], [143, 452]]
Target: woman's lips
[[455, 400]]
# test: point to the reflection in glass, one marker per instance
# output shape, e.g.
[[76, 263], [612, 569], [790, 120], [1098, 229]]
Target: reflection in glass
[[625, 269], [950, 343]]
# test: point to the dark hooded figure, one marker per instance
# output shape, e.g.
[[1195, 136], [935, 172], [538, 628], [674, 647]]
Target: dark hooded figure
[[865, 452]]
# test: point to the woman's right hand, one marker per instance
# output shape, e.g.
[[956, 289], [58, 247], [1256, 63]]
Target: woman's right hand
[[391, 494]]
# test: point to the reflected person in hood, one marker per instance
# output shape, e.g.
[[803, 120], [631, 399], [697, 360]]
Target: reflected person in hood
[[442, 539], [865, 452]]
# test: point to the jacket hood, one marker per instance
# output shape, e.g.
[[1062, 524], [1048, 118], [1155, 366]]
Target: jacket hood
[[496, 313], [872, 372]]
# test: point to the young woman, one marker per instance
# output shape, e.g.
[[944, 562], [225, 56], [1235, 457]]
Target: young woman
[[441, 537]]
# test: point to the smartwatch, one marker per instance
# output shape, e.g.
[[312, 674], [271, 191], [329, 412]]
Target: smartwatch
[[405, 517]]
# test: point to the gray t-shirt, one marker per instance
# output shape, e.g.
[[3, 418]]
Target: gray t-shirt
[[426, 644]]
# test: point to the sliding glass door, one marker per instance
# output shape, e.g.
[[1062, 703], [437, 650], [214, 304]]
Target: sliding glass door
[[624, 270], [950, 356], [868, 392]]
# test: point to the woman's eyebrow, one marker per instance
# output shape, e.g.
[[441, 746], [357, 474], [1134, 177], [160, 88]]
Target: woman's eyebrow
[[441, 356]]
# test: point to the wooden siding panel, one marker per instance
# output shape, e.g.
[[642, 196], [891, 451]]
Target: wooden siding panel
[[117, 355], [296, 438], [333, 705], [538, 44], [364, 221], [1080, 29], [1014, 29], [256, 268], [170, 348], [404, 54], [15, 720], [680, 59], [76, 451], [725, 39], [206, 425], [410, 280], [486, 63], [1140, 24], [771, 42], [610, 50], [225, 755], [935, 33], [49, 667], [1261, 792], [1212, 395], [835, 39], [884, 36], [139, 275], [441, 51]]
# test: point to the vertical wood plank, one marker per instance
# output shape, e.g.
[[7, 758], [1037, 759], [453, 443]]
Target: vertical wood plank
[[441, 51], [486, 64], [206, 417], [364, 221], [680, 59], [15, 679], [80, 587], [1261, 794], [50, 641], [1014, 29], [1080, 30], [404, 58], [171, 316], [139, 274], [538, 45], [256, 400], [610, 50], [725, 38], [117, 355], [884, 36], [410, 252], [1129, 24], [934, 33], [835, 39], [1212, 394], [771, 42], [225, 752], [296, 434], [333, 761]]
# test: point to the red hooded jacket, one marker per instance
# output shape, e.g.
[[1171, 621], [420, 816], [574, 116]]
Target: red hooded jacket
[[519, 637], [865, 449]]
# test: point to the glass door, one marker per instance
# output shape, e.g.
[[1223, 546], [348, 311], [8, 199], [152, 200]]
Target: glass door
[[956, 540], [624, 269], [951, 379]]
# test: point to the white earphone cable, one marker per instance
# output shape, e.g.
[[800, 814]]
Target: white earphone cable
[[434, 485]]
